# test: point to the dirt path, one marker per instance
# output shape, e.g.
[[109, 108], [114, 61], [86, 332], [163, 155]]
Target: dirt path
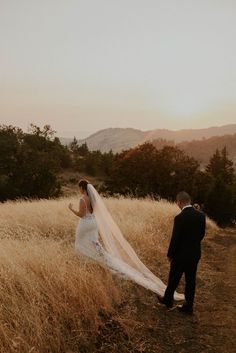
[[142, 325]]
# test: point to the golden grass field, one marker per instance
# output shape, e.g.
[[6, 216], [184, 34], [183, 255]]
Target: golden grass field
[[52, 300]]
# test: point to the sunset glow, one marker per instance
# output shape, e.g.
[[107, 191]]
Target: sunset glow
[[86, 65]]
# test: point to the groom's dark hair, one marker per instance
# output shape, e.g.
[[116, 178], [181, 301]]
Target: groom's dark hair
[[183, 196]]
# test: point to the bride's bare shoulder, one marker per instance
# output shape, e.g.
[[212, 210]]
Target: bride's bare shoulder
[[85, 198]]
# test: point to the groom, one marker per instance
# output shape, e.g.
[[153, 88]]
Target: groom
[[184, 252]]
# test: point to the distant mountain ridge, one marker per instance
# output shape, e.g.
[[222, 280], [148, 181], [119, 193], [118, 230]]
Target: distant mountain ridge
[[203, 149], [118, 139]]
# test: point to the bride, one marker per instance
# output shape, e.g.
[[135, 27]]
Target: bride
[[111, 249]]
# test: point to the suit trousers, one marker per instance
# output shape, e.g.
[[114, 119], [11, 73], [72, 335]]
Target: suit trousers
[[177, 269]]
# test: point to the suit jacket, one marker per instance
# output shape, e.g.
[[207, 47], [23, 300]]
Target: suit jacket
[[188, 231]]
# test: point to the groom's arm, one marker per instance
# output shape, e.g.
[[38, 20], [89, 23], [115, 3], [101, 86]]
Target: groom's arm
[[203, 228], [175, 239]]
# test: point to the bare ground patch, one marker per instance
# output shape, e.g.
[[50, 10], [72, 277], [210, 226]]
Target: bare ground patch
[[141, 325]]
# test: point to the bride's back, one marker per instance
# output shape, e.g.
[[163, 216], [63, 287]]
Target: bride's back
[[87, 202]]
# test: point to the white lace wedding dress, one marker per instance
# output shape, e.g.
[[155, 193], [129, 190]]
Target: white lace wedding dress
[[114, 252]]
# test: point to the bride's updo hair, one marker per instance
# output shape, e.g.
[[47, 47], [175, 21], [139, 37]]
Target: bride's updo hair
[[83, 184]]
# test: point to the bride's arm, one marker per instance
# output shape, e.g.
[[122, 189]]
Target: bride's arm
[[82, 209]]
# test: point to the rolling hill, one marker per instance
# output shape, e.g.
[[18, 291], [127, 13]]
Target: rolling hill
[[203, 149], [116, 139], [119, 139]]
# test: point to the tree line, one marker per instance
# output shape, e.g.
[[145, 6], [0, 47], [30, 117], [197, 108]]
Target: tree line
[[163, 173], [30, 164]]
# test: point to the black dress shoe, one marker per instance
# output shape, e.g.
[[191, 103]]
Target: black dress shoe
[[164, 302], [185, 309]]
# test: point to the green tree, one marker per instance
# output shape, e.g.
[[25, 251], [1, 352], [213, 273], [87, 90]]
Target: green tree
[[73, 146], [83, 150], [106, 163], [220, 166], [147, 171], [134, 171], [220, 202], [176, 171], [10, 141], [30, 162]]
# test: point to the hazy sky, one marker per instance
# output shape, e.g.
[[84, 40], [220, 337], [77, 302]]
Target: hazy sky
[[86, 65]]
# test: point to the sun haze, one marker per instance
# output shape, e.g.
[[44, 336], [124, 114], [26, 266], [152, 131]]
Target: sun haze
[[86, 65]]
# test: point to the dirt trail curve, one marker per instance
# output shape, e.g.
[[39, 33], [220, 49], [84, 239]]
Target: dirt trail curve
[[142, 325]]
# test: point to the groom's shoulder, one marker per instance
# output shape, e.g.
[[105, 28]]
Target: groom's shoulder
[[200, 213], [178, 216], [188, 213]]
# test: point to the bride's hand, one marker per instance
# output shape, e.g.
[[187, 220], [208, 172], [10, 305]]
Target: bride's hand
[[70, 206]]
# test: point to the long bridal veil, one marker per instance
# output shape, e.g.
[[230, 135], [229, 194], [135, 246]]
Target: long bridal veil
[[122, 255]]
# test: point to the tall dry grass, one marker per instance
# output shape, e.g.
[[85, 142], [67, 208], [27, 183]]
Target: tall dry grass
[[51, 299]]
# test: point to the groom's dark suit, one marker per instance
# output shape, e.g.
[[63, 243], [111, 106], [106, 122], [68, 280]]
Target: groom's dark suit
[[185, 252]]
